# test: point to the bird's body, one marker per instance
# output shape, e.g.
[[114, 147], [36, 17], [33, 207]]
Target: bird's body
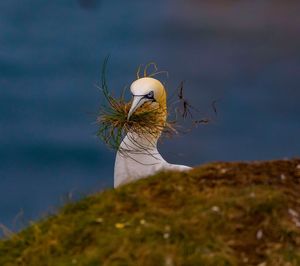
[[138, 156]]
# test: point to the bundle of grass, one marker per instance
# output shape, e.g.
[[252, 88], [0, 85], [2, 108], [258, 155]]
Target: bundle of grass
[[113, 117]]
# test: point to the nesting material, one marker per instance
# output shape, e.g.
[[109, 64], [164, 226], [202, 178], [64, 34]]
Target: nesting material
[[114, 123]]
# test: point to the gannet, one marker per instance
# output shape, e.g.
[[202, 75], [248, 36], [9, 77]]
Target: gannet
[[142, 157]]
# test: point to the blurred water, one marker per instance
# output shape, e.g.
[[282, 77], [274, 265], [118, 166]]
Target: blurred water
[[245, 54]]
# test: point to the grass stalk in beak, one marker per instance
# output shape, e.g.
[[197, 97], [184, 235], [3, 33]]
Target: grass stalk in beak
[[119, 117]]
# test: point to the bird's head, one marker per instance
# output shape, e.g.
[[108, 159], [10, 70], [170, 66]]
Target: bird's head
[[147, 90]]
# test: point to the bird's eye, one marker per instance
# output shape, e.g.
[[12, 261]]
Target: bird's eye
[[150, 95]]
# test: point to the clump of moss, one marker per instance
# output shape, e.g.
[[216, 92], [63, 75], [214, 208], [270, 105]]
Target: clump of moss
[[217, 214]]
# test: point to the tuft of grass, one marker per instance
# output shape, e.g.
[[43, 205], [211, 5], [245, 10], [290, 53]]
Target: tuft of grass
[[216, 214], [113, 122]]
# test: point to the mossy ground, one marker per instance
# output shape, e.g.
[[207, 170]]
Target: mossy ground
[[217, 214]]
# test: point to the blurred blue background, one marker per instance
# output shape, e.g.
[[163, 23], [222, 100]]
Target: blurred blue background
[[245, 54]]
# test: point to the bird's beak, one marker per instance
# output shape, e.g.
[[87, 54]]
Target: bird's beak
[[136, 103]]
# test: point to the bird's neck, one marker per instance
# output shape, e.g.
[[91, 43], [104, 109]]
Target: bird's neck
[[134, 142]]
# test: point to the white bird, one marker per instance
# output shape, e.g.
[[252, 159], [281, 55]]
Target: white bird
[[143, 157]]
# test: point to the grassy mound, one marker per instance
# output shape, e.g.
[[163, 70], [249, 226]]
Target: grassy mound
[[217, 214]]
